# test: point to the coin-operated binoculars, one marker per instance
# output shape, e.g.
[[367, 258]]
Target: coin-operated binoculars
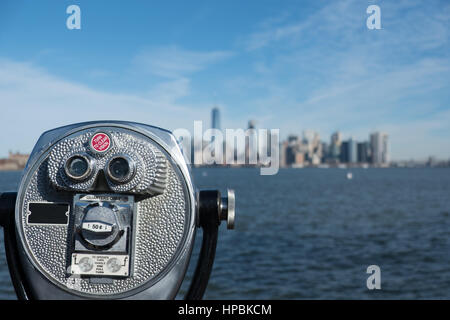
[[108, 210]]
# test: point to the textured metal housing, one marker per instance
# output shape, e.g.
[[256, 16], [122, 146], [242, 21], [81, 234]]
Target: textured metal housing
[[151, 171], [165, 222]]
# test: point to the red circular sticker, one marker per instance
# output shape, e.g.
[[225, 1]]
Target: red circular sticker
[[100, 142]]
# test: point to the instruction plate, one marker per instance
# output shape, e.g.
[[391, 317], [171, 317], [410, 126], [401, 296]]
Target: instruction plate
[[100, 264]]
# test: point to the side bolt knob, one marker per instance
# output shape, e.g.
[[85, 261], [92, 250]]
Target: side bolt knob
[[227, 208]]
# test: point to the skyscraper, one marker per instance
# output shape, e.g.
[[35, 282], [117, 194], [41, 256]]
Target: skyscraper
[[363, 152], [352, 151], [335, 145], [325, 151], [215, 118], [380, 148], [251, 145], [336, 138], [348, 151], [343, 156], [268, 143]]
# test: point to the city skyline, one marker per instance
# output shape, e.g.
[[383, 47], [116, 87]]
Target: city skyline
[[215, 124], [311, 150], [253, 148], [290, 66], [374, 151]]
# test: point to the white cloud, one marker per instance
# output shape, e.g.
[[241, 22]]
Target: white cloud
[[325, 71], [33, 101], [329, 72], [406, 25], [328, 19], [174, 62]]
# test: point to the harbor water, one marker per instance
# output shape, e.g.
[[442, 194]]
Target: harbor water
[[312, 233]]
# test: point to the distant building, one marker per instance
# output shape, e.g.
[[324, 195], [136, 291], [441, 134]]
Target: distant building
[[335, 146], [363, 152], [312, 147], [296, 152], [299, 159], [325, 151], [215, 118], [283, 152], [15, 161], [343, 156], [352, 151], [215, 124], [288, 150], [269, 143], [251, 145], [310, 151], [380, 148], [292, 138], [290, 157]]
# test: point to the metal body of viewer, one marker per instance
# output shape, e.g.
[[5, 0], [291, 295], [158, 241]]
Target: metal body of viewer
[[108, 210]]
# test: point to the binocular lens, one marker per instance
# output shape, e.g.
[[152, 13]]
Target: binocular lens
[[119, 169], [77, 167]]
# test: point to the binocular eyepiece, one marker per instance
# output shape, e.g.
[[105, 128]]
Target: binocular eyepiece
[[108, 210]]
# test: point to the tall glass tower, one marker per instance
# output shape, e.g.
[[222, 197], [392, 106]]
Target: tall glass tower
[[380, 148], [352, 151], [215, 118]]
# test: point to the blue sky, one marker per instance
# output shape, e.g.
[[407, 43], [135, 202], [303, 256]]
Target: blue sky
[[292, 65]]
